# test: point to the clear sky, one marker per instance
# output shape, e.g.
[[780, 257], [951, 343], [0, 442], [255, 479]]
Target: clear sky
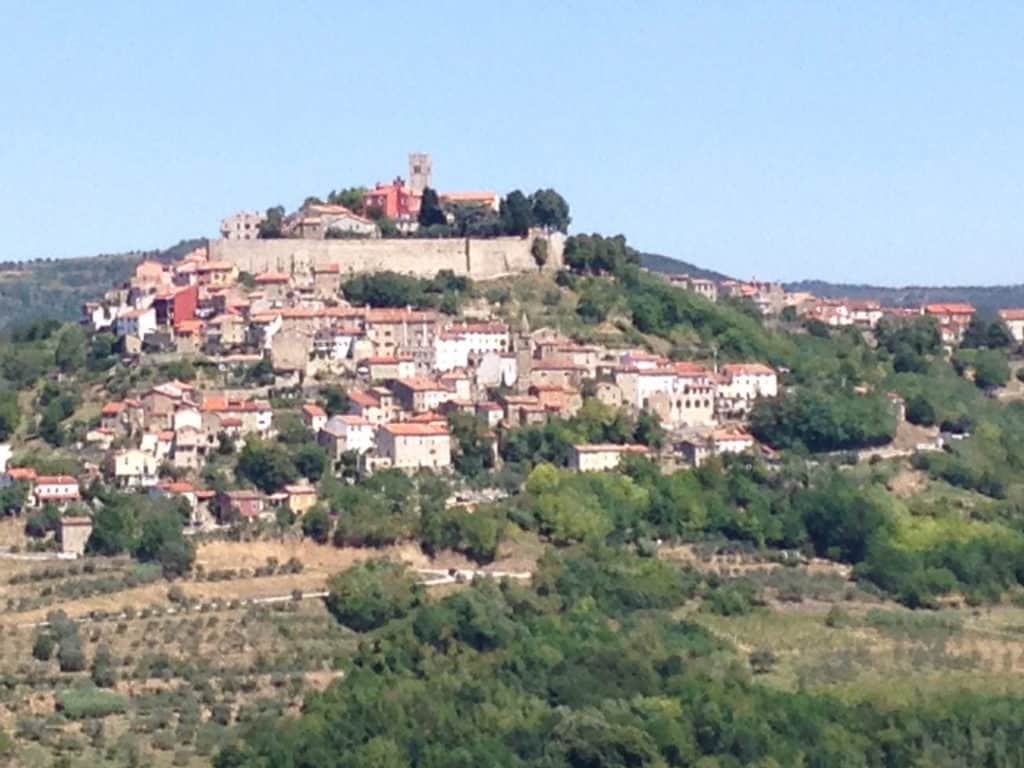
[[853, 141]]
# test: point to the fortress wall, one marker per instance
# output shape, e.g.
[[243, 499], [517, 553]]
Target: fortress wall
[[479, 259]]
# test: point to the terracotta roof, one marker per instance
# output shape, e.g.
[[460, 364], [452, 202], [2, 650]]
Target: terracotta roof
[[363, 399], [412, 429], [949, 309], [296, 490], [313, 410], [1011, 314], [56, 480], [215, 266], [112, 409], [427, 418], [21, 473], [226, 405], [188, 326], [723, 435], [271, 278], [400, 316], [381, 360], [179, 486], [420, 384]]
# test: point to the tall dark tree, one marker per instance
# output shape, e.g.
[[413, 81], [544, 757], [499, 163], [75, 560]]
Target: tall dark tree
[[516, 213], [271, 227], [431, 212], [550, 210]]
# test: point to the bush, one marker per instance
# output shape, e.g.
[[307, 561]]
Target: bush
[[42, 648], [81, 703], [372, 594]]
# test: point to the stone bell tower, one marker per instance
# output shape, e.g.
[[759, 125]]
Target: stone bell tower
[[419, 172]]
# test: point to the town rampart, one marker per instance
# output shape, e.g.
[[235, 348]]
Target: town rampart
[[480, 259]]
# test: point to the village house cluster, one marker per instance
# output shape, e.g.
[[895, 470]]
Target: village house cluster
[[403, 370], [952, 318]]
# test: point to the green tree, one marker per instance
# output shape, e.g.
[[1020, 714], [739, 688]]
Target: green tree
[[70, 352], [311, 461], [316, 524], [539, 251], [334, 399], [516, 214], [550, 210], [271, 227], [353, 198], [371, 594], [42, 647], [103, 671], [431, 213], [267, 466]]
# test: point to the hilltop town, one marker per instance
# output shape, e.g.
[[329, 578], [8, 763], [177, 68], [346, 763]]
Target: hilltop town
[[378, 381]]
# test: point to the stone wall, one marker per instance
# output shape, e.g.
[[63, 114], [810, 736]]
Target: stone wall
[[479, 259]]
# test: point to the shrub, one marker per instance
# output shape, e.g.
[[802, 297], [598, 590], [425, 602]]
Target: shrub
[[372, 594], [81, 703], [42, 648]]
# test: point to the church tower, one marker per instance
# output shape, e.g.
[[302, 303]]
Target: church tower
[[419, 172]]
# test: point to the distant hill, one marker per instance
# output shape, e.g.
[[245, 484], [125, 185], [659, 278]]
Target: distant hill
[[985, 298], [668, 266], [57, 288]]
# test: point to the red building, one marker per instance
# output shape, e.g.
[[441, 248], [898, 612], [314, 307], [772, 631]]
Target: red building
[[395, 200], [176, 306]]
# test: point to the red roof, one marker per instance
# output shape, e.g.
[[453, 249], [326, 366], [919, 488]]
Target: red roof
[[56, 480], [949, 309], [414, 429], [112, 409], [271, 278], [176, 487], [363, 399], [420, 384], [314, 411], [21, 473], [1011, 314]]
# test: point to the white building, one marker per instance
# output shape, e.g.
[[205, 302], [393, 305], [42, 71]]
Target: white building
[[55, 489], [496, 369], [335, 343], [1014, 320], [741, 384], [134, 468], [414, 446], [244, 225], [136, 322], [457, 344], [347, 432], [601, 457]]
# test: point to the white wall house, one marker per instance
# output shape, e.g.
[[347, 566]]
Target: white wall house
[[456, 344], [136, 322]]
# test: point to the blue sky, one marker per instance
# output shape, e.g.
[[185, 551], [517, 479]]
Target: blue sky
[[862, 141]]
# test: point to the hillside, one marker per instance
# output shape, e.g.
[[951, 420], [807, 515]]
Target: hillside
[[669, 266], [987, 298], [54, 289]]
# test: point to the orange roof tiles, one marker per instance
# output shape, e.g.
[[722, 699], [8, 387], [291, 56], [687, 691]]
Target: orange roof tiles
[[271, 278], [949, 309], [412, 429]]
